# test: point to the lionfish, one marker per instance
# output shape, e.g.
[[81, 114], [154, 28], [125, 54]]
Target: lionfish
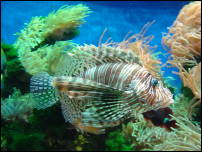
[[100, 88]]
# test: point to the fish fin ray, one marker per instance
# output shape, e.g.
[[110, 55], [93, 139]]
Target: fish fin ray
[[106, 54], [80, 88]]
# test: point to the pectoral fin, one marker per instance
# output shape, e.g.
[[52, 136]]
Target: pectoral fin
[[105, 106], [82, 88]]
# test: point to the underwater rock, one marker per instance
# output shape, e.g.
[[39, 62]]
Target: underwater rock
[[161, 117]]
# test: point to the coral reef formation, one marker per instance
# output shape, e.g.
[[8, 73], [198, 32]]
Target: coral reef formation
[[43, 46], [184, 42], [184, 37], [38, 48]]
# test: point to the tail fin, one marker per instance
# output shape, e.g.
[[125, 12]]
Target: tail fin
[[43, 92]]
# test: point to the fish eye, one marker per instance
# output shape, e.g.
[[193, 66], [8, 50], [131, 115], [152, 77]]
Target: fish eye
[[154, 82]]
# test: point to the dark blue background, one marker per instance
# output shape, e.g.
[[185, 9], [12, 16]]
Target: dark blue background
[[119, 17]]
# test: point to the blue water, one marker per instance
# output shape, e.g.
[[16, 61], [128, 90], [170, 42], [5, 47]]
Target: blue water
[[119, 17]]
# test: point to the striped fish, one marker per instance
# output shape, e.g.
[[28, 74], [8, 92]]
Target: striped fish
[[109, 90]]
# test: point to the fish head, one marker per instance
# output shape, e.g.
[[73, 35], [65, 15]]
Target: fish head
[[152, 91], [162, 95]]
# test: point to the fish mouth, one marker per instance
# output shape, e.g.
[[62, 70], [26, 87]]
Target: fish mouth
[[167, 102]]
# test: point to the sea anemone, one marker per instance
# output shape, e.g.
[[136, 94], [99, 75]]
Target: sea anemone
[[139, 44], [62, 24], [184, 42], [144, 135], [185, 138], [184, 37], [191, 78], [43, 39]]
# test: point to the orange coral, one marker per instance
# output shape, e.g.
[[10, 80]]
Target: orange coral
[[195, 73], [139, 45], [150, 63], [191, 79], [184, 41], [184, 37]]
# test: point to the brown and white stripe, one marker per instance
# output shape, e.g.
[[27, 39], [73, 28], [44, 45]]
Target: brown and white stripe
[[122, 75], [116, 75]]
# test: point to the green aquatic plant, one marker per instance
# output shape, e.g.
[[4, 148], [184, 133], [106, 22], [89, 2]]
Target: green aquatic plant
[[144, 136], [116, 142], [9, 50], [20, 136], [35, 134], [80, 141], [3, 143], [186, 138], [16, 106], [62, 24], [181, 106], [41, 43], [13, 63], [13, 67]]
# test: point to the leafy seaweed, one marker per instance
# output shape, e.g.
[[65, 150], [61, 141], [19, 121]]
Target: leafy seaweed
[[116, 142]]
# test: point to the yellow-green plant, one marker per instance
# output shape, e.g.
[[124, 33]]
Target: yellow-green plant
[[185, 138], [41, 43]]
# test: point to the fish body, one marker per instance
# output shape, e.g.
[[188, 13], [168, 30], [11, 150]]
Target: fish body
[[104, 94]]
